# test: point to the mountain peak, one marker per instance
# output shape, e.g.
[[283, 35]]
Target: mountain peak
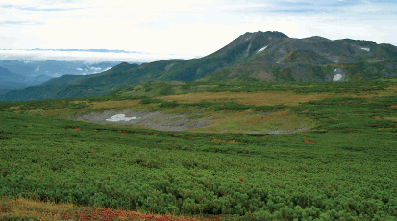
[[316, 39], [275, 34], [123, 66]]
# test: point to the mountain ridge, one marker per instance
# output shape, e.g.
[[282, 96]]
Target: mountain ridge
[[263, 56]]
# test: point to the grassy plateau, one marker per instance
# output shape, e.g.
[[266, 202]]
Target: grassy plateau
[[343, 167]]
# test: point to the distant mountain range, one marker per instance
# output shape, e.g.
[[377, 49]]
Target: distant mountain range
[[16, 74], [265, 56], [10, 80]]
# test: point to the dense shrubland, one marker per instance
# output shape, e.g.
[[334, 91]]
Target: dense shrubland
[[343, 168]]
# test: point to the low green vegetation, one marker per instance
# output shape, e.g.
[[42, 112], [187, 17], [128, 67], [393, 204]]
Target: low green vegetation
[[343, 168]]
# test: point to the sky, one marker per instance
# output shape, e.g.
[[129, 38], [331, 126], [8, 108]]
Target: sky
[[157, 29]]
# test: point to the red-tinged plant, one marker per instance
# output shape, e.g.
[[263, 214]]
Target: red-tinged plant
[[308, 141], [77, 129], [241, 179]]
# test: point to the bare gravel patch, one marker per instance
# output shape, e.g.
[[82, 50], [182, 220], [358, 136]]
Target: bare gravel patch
[[165, 122], [155, 120]]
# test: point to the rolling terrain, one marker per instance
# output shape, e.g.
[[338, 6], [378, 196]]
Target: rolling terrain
[[264, 56], [242, 165], [266, 128], [18, 74]]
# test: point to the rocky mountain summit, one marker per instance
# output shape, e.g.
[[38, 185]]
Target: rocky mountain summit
[[279, 58]]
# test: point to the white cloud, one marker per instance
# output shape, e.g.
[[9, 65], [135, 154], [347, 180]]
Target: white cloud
[[194, 27], [79, 69], [85, 55]]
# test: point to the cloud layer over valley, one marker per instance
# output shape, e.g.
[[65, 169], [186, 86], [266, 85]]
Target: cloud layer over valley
[[86, 55]]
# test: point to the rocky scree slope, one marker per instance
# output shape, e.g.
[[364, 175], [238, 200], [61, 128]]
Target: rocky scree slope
[[311, 59]]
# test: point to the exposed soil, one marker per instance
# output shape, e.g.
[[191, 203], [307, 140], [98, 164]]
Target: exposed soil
[[165, 122], [155, 120]]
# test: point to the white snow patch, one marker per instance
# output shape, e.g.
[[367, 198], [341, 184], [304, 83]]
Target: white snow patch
[[261, 49], [337, 77], [120, 117], [365, 49], [334, 69]]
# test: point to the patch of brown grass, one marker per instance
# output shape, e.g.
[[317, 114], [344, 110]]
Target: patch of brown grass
[[250, 121], [385, 118], [47, 113], [55, 112], [26, 209], [257, 98], [226, 141], [389, 91], [114, 104], [287, 56], [30, 209]]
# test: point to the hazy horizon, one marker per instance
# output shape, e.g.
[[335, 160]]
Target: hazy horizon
[[180, 29]]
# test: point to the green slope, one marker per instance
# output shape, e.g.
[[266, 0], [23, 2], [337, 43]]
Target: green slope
[[342, 168]]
